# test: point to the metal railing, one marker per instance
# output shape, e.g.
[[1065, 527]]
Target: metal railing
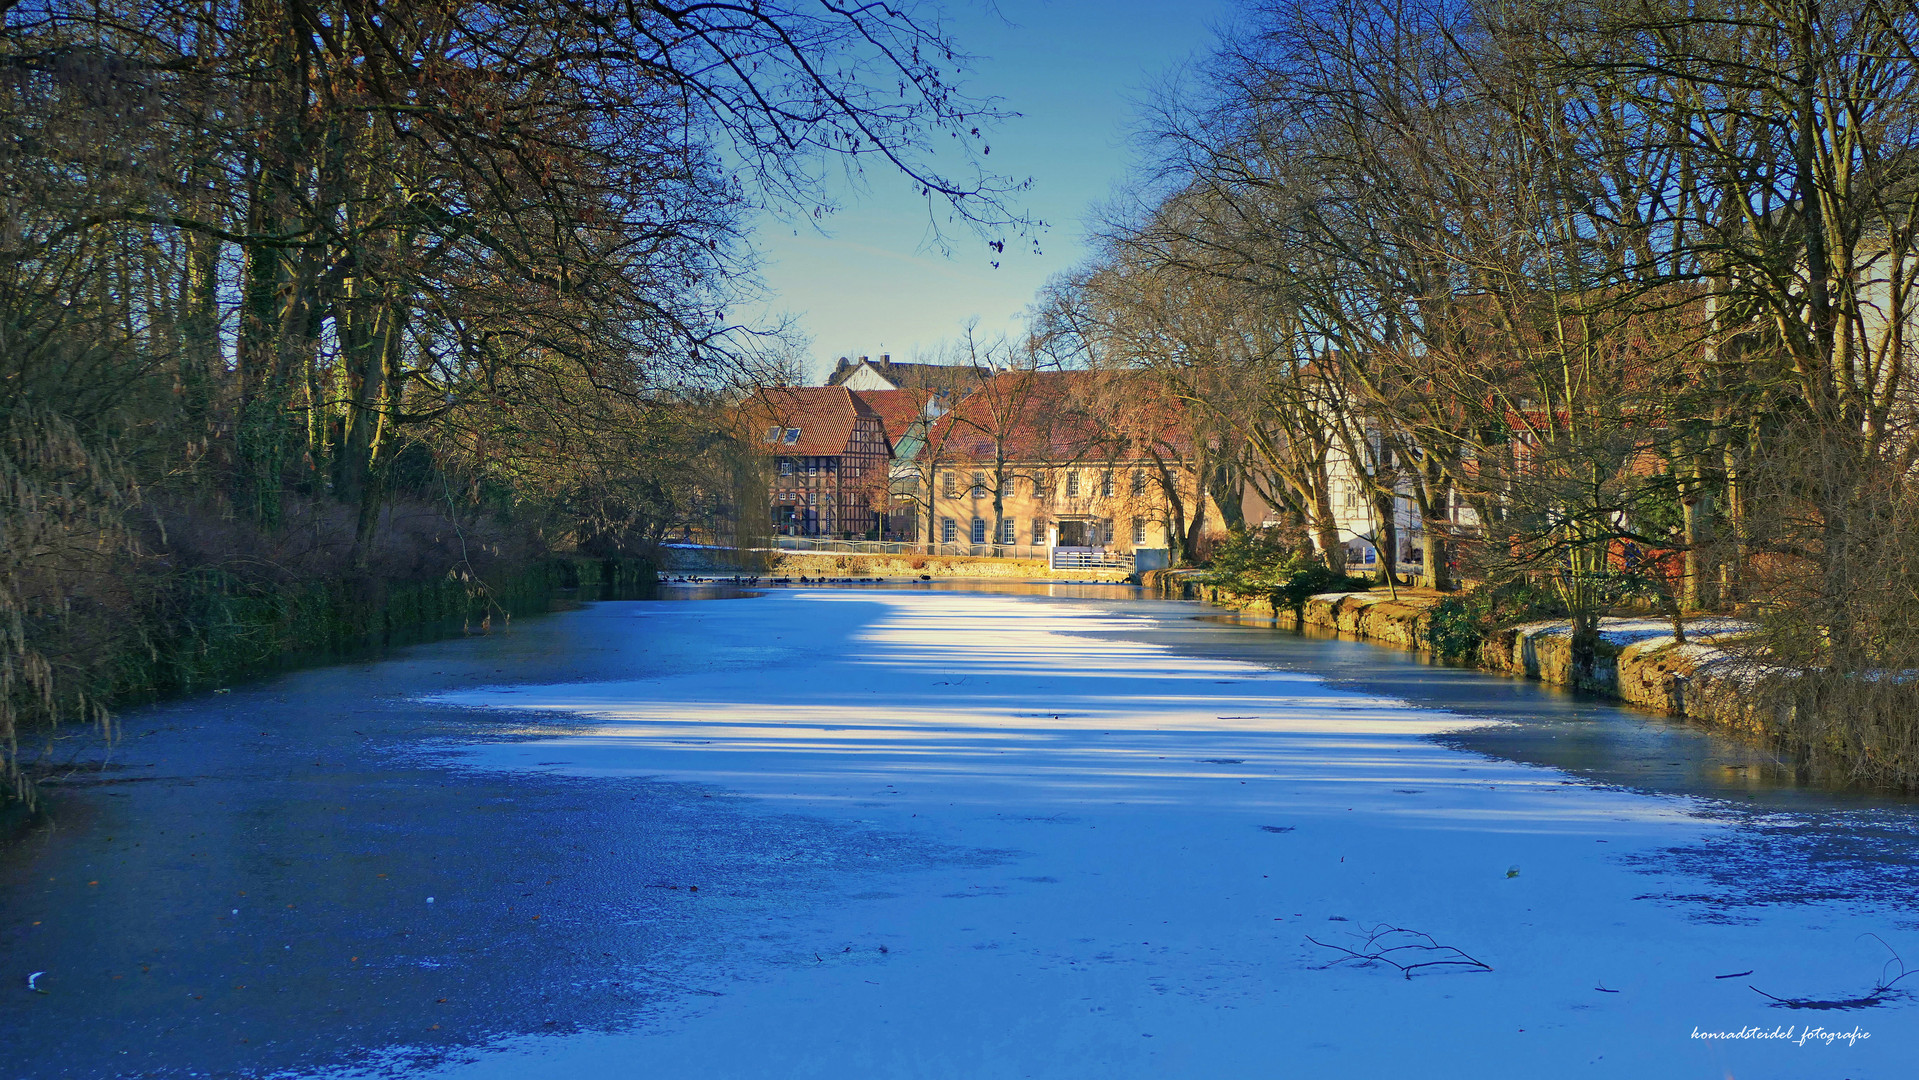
[[1087, 559]]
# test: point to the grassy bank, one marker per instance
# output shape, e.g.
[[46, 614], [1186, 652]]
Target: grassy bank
[[228, 631]]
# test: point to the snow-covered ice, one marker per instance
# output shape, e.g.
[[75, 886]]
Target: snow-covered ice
[[1156, 838]]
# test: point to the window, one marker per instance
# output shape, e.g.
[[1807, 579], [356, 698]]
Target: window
[[1139, 483], [1039, 531], [1006, 485], [1106, 484], [792, 436], [812, 466], [949, 486], [979, 530], [949, 530], [786, 466], [812, 498], [1072, 485], [1009, 531], [1139, 532], [773, 434], [979, 485]]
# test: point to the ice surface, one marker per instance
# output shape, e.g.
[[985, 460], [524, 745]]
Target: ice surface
[[1159, 837]]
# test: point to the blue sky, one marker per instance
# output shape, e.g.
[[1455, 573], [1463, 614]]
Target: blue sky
[[1073, 69]]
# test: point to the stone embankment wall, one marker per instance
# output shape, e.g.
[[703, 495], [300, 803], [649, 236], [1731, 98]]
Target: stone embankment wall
[[816, 564], [1639, 660]]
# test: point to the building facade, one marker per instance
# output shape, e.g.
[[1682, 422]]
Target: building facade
[[1038, 462], [829, 461], [1114, 507]]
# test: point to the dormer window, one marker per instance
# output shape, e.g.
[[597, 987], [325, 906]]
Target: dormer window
[[792, 436]]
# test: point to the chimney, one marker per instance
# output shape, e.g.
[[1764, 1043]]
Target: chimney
[[862, 359], [886, 360]]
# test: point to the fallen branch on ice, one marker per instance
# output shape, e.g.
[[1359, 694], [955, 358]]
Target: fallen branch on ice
[[1407, 950], [1880, 991]]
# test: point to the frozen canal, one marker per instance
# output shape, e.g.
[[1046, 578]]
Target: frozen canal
[[905, 833]]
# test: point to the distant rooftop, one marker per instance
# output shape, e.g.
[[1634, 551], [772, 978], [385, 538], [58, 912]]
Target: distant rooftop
[[867, 373]]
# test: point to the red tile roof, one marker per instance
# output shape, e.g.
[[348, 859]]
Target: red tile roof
[[899, 409], [823, 415], [1055, 416]]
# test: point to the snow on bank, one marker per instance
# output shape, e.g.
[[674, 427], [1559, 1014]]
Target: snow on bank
[[1166, 835], [1624, 631]]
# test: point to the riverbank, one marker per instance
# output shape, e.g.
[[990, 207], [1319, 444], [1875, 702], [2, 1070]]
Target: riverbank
[[210, 631], [1639, 660]]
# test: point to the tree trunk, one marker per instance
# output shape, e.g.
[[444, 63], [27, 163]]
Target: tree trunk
[[1585, 646], [1388, 541], [932, 507], [1325, 525], [1696, 591], [199, 326], [1226, 483], [1435, 550]]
